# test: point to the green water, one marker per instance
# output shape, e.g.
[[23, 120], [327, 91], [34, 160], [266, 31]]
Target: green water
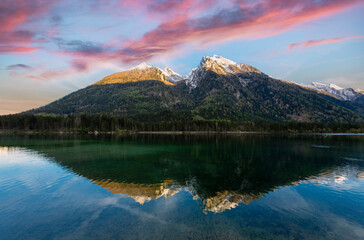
[[182, 187]]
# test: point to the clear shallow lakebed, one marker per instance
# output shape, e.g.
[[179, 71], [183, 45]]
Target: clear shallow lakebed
[[182, 187]]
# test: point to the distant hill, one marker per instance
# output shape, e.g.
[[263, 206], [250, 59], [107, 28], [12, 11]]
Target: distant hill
[[217, 89]]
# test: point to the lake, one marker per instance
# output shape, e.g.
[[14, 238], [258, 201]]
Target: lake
[[182, 187]]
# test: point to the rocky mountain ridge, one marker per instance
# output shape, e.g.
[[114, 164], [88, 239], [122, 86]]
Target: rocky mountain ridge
[[221, 66], [346, 94], [218, 89]]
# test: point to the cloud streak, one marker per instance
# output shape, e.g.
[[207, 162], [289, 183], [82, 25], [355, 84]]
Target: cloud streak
[[241, 21], [312, 43], [18, 66], [82, 48]]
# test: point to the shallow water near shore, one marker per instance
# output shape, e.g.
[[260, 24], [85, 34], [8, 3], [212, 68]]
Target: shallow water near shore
[[182, 187]]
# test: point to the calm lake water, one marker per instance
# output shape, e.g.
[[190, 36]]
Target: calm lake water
[[182, 187]]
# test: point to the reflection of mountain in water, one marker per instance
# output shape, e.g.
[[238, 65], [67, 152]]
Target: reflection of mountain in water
[[227, 200], [143, 193], [220, 172], [139, 192]]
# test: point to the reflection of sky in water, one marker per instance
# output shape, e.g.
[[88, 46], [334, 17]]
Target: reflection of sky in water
[[40, 198]]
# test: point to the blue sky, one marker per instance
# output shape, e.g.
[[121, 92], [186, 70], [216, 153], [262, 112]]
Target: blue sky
[[51, 48]]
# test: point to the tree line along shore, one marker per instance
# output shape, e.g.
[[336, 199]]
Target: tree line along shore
[[104, 123]]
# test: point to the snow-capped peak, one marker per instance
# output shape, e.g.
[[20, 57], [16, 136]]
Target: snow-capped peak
[[168, 72], [172, 76], [346, 94], [143, 65], [222, 60], [219, 65]]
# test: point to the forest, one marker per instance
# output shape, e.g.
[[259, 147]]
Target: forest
[[104, 123]]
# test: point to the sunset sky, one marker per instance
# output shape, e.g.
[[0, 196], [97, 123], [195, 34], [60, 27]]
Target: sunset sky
[[50, 48]]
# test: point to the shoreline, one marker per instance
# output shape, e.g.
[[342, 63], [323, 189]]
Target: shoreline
[[126, 132]]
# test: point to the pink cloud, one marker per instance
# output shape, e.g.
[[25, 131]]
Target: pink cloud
[[13, 15], [169, 9], [311, 43], [17, 49]]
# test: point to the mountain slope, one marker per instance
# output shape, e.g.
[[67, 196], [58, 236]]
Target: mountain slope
[[218, 89], [254, 95], [129, 99]]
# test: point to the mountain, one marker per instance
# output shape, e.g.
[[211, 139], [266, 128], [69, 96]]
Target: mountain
[[217, 89], [346, 94]]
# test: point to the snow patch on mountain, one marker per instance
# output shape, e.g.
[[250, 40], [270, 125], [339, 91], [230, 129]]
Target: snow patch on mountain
[[194, 77], [359, 90], [346, 94]]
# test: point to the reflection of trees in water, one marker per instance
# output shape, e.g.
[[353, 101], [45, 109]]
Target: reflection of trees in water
[[220, 172]]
